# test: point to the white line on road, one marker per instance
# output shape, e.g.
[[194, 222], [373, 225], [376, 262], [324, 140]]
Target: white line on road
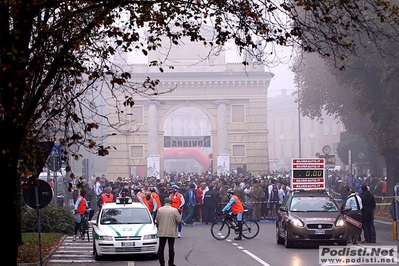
[[382, 222], [262, 262], [71, 261], [71, 255]]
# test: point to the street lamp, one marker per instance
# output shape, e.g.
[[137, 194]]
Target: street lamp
[[299, 127]]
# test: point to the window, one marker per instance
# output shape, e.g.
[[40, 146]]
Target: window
[[312, 148], [238, 150], [326, 128], [292, 150], [282, 150], [312, 126], [125, 216], [282, 126], [137, 151], [292, 125], [334, 128], [136, 114], [238, 113]]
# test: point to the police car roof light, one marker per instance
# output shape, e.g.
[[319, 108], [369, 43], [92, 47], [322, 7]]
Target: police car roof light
[[123, 200]]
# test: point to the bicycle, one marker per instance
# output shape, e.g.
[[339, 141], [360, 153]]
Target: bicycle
[[221, 227], [84, 224]]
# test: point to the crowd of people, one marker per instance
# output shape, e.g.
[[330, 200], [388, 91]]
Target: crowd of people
[[200, 197], [359, 193]]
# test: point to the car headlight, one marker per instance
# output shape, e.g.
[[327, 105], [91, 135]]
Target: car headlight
[[297, 222], [149, 237], [340, 222], [107, 238]]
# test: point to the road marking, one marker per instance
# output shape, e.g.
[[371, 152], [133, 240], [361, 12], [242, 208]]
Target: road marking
[[382, 222], [71, 261], [130, 263], [262, 262]]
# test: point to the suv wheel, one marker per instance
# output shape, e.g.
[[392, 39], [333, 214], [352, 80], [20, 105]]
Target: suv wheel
[[279, 239], [287, 242]]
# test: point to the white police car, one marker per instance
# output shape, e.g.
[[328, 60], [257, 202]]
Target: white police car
[[124, 228]]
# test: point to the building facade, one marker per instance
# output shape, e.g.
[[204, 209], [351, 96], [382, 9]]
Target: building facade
[[231, 96], [286, 126]]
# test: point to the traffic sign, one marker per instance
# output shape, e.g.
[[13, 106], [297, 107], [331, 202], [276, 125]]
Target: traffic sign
[[54, 163], [38, 196], [308, 173]]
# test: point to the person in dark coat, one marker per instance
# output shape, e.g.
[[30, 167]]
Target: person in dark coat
[[369, 205], [211, 201], [344, 190]]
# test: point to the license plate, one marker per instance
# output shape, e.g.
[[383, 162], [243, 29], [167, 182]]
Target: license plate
[[319, 232], [128, 244]]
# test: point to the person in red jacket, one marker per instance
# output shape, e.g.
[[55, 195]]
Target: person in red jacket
[[178, 203], [140, 196], [235, 206], [152, 204], [80, 208], [157, 198], [105, 197]]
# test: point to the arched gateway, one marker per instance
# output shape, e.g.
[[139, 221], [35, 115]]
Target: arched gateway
[[232, 96]]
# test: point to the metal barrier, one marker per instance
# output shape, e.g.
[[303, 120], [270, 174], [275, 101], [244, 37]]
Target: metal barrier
[[383, 202]]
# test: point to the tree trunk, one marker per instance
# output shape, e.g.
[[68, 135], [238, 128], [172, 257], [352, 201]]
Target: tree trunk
[[376, 161], [392, 163], [12, 204]]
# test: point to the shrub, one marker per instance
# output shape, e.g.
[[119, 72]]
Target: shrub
[[28, 252], [53, 219]]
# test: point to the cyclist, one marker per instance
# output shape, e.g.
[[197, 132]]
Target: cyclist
[[152, 203], [80, 208], [235, 206]]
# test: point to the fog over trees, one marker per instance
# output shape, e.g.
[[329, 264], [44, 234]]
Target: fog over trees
[[56, 54]]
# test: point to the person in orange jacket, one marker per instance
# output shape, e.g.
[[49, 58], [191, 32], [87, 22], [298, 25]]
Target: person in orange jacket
[[105, 197], [178, 203], [140, 196], [235, 206], [80, 208], [157, 198], [152, 204]]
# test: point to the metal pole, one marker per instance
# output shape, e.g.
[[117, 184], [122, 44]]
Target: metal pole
[[38, 224], [350, 160], [54, 158], [396, 213], [299, 128]]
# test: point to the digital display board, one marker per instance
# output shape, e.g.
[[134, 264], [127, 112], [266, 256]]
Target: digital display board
[[308, 173]]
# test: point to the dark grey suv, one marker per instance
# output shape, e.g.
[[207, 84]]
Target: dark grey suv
[[310, 217]]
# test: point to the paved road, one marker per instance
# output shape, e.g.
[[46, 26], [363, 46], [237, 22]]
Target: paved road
[[198, 248]]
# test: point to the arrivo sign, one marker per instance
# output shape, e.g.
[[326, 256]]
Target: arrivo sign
[[308, 173]]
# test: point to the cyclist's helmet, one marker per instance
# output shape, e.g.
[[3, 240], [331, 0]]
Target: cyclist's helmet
[[175, 187], [230, 192], [152, 189], [148, 195], [136, 189]]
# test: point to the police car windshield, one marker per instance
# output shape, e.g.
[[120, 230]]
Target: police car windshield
[[313, 204], [125, 216]]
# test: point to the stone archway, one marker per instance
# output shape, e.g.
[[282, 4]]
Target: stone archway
[[187, 131], [234, 98]]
